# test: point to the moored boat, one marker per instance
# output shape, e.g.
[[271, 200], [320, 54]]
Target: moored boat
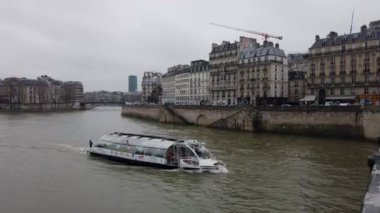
[[156, 151]]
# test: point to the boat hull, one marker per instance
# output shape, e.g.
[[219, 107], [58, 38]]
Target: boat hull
[[133, 162]]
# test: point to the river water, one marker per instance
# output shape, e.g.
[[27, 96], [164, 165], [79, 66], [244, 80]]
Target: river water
[[44, 168]]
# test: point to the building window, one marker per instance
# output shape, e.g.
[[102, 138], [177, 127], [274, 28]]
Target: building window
[[366, 78], [332, 79], [343, 48], [342, 91], [332, 91]]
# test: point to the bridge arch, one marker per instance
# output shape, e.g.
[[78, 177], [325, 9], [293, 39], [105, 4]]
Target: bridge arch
[[202, 120], [162, 115]]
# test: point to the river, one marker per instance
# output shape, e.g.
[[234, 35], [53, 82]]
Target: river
[[44, 167]]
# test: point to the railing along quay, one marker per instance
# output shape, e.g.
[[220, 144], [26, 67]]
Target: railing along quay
[[371, 202]]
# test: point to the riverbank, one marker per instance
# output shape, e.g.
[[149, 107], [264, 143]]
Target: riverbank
[[341, 122], [42, 107], [371, 202]]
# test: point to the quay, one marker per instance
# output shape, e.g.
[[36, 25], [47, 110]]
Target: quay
[[344, 122], [371, 202]]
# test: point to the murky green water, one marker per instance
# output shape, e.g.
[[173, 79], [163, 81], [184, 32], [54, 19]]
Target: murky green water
[[44, 168]]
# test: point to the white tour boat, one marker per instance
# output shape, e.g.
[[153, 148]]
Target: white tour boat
[[156, 151]]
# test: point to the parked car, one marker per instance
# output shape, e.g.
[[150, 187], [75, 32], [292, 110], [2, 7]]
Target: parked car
[[285, 105], [314, 105]]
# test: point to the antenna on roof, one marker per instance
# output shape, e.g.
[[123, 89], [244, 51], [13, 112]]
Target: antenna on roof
[[352, 20]]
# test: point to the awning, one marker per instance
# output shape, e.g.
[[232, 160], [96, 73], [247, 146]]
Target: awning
[[308, 98], [341, 97]]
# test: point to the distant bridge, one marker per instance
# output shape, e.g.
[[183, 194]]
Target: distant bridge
[[101, 103]]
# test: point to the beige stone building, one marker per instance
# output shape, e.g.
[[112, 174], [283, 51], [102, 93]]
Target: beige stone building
[[199, 80], [175, 88], [223, 73], [73, 91], [263, 75], [182, 86], [297, 64], [150, 82], [342, 67]]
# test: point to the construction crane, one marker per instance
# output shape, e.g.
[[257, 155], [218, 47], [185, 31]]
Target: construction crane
[[265, 35]]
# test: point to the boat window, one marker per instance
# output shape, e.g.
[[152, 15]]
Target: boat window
[[159, 153], [148, 151], [139, 150], [123, 148], [101, 145], [186, 152], [202, 152]]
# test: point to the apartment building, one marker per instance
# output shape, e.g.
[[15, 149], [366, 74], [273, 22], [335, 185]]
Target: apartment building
[[342, 67], [263, 75]]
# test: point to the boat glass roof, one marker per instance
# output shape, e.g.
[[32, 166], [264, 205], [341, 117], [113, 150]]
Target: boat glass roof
[[139, 140]]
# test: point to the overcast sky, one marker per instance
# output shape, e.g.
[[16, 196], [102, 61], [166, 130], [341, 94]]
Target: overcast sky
[[101, 42]]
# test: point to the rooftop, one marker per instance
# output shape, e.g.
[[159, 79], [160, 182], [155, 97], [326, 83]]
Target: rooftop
[[264, 50], [225, 46], [365, 34]]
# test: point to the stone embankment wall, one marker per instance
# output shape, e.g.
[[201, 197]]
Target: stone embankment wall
[[371, 124], [37, 107], [147, 112], [329, 122], [346, 122]]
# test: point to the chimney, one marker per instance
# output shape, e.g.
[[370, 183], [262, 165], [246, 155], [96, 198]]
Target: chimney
[[317, 38], [333, 34], [363, 28], [277, 46]]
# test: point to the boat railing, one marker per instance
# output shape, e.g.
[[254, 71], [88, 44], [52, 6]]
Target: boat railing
[[147, 136]]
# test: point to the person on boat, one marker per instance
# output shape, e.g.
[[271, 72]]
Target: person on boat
[[170, 155]]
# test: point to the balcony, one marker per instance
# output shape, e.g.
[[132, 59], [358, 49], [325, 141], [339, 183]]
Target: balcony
[[374, 83]]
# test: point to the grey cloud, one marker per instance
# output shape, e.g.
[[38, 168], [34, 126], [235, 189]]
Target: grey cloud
[[101, 42]]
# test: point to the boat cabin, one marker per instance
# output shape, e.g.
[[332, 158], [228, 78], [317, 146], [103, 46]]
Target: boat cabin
[[155, 149]]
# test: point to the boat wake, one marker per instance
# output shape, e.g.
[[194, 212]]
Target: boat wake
[[79, 149], [220, 170]]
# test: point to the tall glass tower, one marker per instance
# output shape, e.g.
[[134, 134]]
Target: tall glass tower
[[132, 83]]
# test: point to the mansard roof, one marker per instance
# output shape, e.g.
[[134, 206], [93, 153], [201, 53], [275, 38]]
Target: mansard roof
[[333, 39], [262, 51]]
